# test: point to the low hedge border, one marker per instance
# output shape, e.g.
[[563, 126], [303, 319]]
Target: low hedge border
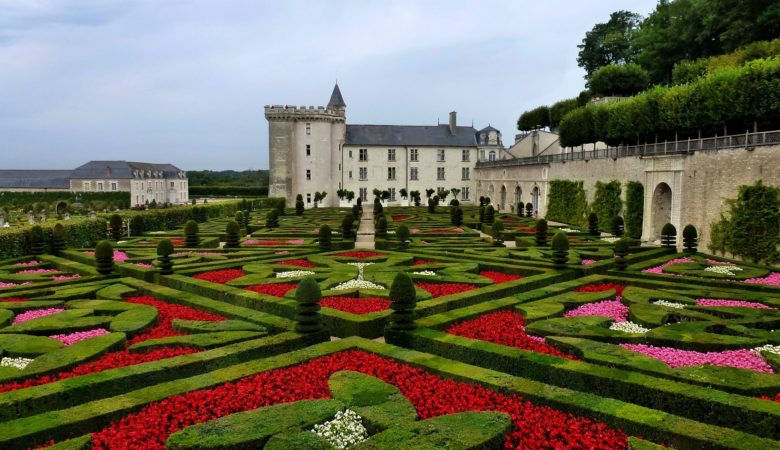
[[633, 419]]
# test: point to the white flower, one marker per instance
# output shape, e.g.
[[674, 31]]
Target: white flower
[[569, 230], [425, 272], [294, 273], [628, 327], [357, 284], [611, 240], [723, 269], [669, 304], [344, 431], [360, 266], [764, 348], [19, 363]]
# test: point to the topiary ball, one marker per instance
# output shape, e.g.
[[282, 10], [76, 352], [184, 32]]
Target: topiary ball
[[541, 232], [560, 249], [668, 236], [307, 317], [325, 237], [104, 257], [690, 238], [164, 247], [404, 301]]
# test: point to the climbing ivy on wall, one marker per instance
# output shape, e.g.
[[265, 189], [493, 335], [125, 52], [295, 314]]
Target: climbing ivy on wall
[[566, 202], [635, 207], [607, 203]]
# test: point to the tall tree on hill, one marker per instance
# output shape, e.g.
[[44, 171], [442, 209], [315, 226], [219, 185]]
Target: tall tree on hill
[[609, 43]]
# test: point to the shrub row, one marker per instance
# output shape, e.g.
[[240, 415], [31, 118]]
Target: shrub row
[[222, 191]]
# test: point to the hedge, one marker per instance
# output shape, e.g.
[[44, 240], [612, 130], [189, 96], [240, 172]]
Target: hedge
[[635, 207], [607, 203], [24, 200], [566, 202], [222, 191], [15, 242]]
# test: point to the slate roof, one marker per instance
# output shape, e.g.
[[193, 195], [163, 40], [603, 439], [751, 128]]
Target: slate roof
[[35, 179], [487, 129], [119, 169], [336, 100], [402, 135]]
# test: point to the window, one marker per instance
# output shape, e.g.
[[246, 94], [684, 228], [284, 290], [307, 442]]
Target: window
[[464, 193], [308, 174], [391, 154], [440, 173], [464, 173], [363, 154], [392, 194], [308, 150], [87, 186], [350, 153], [391, 173], [440, 154], [363, 173], [113, 187], [172, 184], [363, 194], [308, 198], [481, 155], [413, 173], [308, 128], [100, 186], [466, 156], [492, 156], [350, 174], [413, 154]]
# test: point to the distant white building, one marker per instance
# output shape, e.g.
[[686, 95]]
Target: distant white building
[[314, 149]]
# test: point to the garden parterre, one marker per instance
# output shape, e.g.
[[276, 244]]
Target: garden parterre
[[679, 350]]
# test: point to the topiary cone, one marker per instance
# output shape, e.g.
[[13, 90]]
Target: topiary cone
[[593, 224], [325, 237], [58, 242], [115, 225], [690, 239], [669, 236], [541, 232], [191, 237], [164, 250], [307, 318], [104, 257], [37, 246], [404, 298], [232, 239], [560, 250], [620, 251]]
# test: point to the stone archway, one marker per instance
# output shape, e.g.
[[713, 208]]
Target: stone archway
[[661, 208], [502, 203], [535, 199]]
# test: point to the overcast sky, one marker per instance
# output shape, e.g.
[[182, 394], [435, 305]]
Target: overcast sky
[[185, 82]]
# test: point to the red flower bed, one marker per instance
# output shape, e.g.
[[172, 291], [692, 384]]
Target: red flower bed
[[13, 300], [298, 263], [166, 312], [510, 219], [220, 276], [356, 305], [177, 242], [275, 289], [399, 218], [533, 426], [505, 328], [420, 262], [776, 398], [359, 255], [442, 289], [601, 287], [526, 229], [263, 243], [499, 277]]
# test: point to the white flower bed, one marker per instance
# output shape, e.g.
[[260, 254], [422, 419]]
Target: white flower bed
[[669, 304], [611, 240], [768, 348], [344, 431], [628, 327], [569, 230], [723, 269], [294, 273], [430, 273], [357, 284], [18, 363]]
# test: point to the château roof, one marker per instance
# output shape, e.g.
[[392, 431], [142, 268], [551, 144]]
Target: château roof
[[403, 135], [488, 129], [336, 100], [35, 179], [120, 169]]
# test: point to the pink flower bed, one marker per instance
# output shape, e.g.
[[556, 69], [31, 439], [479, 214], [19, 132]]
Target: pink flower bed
[[144, 265], [30, 271], [195, 253], [72, 338], [742, 359], [65, 277], [660, 269], [738, 303], [613, 309], [118, 255], [283, 252], [585, 262], [415, 230], [7, 285], [773, 279], [33, 262], [716, 262], [36, 313]]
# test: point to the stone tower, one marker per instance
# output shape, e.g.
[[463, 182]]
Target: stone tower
[[304, 146]]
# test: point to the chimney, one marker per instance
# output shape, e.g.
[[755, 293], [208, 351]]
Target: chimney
[[453, 121]]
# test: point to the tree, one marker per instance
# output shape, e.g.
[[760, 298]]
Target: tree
[[350, 196], [272, 219], [496, 233], [560, 109], [620, 80], [490, 214], [191, 237], [755, 222], [429, 192], [381, 227], [307, 317], [635, 206], [115, 225], [404, 193], [668, 236], [164, 250], [560, 250], [690, 239], [325, 237], [455, 192], [618, 226], [541, 232], [239, 218], [299, 205], [104, 257], [609, 43], [137, 223], [415, 195], [404, 302], [59, 241], [432, 204], [607, 203], [620, 251], [346, 225], [529, 209], [456, 216], [534, 119], [593, 224], [232, 239], [402, 233]]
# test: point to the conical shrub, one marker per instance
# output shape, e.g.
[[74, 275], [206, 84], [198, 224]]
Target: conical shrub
[[164, 251], [37, 236], [307, 317], [669, 236], [104, 257], [560, 249], [404, 298], [232, 239], [191, 236], [541, 232]]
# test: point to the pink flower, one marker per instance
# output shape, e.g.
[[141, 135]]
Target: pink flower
[[743, 359], [32, 262], [283, 252], [660, 269], [613, 309], [119, 256], [144, 265], [773, 279], [29, 271], [585, 262], [65, 277], [8, 285], [737, 303], [36, 313], [72, 338], [716, 262], [295, 241], [194, 253], [415, 230]]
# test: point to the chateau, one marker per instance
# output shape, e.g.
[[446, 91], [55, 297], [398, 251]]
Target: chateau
[[314, 150]]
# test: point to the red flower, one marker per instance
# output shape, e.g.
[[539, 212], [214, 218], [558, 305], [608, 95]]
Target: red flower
[[166, 312], [505, 328], [220, 276], [275, 289], [532, 426], [264, 243], [399, 217], [499, 277], [776, 398], [177, 242], [356, 305], [442, 289], [420, 262], [13, 300], [297, 262], [601, 287], [359, 254]]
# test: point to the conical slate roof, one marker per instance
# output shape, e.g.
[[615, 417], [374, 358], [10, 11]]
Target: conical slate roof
[[336, 100]]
